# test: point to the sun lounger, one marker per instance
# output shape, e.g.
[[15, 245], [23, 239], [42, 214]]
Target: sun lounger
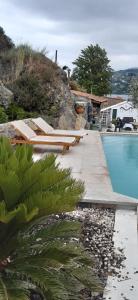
[[27, 136], [45, 128]]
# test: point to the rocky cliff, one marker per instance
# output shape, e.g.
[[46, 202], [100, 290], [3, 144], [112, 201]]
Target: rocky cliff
[[36, 84]]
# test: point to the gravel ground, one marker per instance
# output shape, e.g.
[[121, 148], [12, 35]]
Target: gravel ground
[[97, 238]]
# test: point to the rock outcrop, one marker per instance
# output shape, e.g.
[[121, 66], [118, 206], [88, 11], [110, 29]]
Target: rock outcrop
[[6, 96], [38, 85]]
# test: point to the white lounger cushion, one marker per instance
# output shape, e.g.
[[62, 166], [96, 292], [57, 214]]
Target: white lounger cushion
[[53, 139], [70, 132], [43, 125], [46, 128], [24, 129]]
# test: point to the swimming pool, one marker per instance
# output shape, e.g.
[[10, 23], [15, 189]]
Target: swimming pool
[[122, 159]]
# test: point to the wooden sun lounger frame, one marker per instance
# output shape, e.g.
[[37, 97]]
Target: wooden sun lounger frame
[[23, 140], [39, 131]]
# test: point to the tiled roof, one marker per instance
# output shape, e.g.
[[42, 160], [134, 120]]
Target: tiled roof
[[113, 101], [105, 101], [96, 99]]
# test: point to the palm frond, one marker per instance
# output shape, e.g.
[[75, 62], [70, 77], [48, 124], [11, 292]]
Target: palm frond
[[9, 179], [20, 213], [86, 276], [47, 280], [59, 230], [3, 290], [13, 289]]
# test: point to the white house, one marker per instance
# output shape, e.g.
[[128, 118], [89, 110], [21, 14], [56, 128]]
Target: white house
[[119, 110]]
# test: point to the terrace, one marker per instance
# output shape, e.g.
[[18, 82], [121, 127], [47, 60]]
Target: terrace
[[88, 163]]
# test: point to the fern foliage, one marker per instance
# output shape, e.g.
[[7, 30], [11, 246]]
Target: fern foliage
[[34, 256]]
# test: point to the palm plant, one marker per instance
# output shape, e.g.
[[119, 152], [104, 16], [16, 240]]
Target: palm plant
[[35, 257]]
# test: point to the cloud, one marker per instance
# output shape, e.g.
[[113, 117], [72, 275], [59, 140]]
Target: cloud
[[70, 26], [74, 10]]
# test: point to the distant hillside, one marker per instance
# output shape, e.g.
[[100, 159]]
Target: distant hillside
[[121, 80]]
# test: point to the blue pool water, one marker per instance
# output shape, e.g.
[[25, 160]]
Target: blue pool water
[[122, 159]]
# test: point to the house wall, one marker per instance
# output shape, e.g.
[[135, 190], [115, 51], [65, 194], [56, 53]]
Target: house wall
[[125, 110]]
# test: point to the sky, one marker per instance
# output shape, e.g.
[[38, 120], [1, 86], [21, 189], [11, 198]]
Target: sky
[[71, 25]]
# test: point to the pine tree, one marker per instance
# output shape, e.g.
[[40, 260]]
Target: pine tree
[[92, 70]]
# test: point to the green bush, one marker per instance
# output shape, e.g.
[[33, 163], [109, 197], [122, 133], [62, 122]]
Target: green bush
[[27, 92], [15, 112], [32, 93], [3, 116], [34, 256]]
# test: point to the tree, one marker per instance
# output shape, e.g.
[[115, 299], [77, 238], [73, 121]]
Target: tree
[[35, 258], [92, 70], [133, 91], [5, 42]]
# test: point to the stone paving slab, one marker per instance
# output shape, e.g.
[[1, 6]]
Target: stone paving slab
[[125, 236]]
